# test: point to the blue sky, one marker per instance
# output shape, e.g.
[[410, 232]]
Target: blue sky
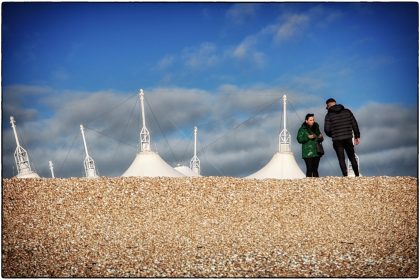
[[214, 65]]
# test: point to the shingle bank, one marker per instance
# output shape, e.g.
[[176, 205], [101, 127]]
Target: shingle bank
[[210, 227]]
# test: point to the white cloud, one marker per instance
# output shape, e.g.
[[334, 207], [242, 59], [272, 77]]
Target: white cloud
[[205, 55], [259, 59], [396, 161], [251, 50], [309, 82], [165, 62], [291, 26], [387, 126], [18, 101], [288, 27], [242, 50], [202, 56], [240, 13], [323, 16], [246, 51]]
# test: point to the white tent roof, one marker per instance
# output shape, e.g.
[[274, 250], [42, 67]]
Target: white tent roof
[[150, 164], [186, 171], [29, 174], [283, 165]]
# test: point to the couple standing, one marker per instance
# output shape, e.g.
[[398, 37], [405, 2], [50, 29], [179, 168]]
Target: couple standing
[[340, 125]]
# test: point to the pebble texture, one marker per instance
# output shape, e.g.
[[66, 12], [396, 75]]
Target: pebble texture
[[210, 227]]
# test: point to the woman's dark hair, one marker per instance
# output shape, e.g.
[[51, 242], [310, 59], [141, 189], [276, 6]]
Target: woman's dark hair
[[308, 116]]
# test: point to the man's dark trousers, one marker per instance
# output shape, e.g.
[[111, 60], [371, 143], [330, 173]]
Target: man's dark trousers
[[347, 145]]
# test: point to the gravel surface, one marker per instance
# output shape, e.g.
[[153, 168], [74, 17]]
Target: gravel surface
[[210, 227]]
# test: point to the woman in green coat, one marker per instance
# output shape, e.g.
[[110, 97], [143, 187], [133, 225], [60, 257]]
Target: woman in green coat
[[308, 135]]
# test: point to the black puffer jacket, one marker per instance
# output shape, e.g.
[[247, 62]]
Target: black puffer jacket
[[340, 123]]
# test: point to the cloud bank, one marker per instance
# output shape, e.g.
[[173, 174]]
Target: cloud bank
[[238, 130]]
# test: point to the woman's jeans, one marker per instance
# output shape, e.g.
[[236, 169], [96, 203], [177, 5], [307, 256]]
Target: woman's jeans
[[347, 145], [312, 166]]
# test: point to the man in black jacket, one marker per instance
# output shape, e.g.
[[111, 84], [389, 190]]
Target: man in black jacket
[[341, 125]]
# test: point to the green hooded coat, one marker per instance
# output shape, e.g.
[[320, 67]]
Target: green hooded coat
[[308, 145]]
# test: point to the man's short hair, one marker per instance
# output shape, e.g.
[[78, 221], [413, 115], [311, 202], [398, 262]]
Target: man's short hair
[[329, 100]]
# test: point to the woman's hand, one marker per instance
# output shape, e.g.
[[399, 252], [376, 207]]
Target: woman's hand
[[320, 138], [312, 136]]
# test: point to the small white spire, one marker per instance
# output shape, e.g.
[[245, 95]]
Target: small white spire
[[284, 99], [284, 137], [144, 133], [90, 169], [13, 123], [195, 140], [82, 130], [195, 162], [283, 164], [21, 156], [350, 171], [50, 164]]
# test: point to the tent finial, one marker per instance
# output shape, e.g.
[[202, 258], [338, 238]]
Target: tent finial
[[144, 133], [90, 168]]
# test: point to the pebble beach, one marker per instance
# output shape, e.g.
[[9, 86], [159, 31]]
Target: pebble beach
[[210, 227]]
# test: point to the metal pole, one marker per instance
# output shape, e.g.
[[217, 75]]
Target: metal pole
[[51, 168], [141, 93], [12, 122], [284, 111], [84, 140], [144, 133], [284, 137], [195, 141], [195, 162]]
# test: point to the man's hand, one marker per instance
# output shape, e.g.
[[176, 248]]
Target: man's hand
[[356, 141]]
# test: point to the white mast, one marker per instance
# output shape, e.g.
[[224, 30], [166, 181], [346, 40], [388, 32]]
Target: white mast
[[284, 137], [50, 164], [283, 164], [148, 163], [144, 133], [350, 171], [195, 162], [21, 157], [90, 169]]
